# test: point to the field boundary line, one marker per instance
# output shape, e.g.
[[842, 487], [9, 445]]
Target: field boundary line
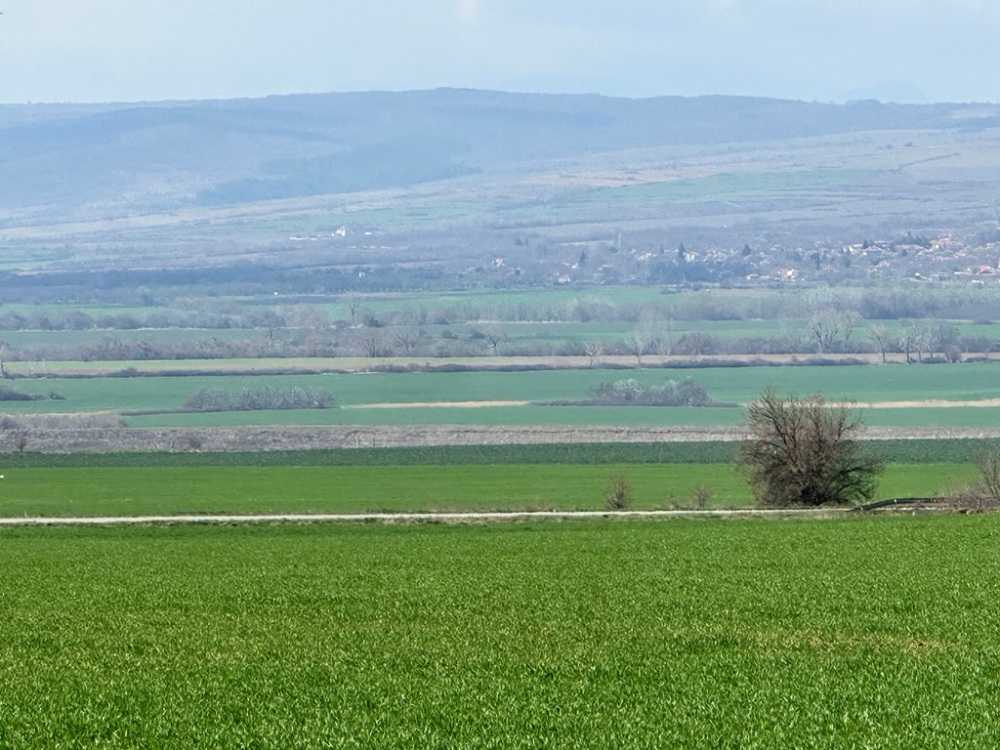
[[484, 516]]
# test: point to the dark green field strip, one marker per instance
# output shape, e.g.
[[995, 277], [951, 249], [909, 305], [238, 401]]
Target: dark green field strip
[[877, 633], [593, 453], [714, 452], [132, 491]]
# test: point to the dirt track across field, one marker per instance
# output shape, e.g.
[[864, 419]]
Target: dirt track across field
[[439, 405], [498, 517], [985, 403]]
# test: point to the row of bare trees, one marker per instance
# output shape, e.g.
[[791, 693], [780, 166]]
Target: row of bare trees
[[917, 340]]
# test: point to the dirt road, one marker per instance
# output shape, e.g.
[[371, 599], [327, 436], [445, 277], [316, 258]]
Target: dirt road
[[488, 517]]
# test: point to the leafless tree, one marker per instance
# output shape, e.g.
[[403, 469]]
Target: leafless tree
[[666, 337], [832, 329], [802, 452], [636, 344], [906, 342], [989, 475], [919, 337], [494, 337], [657, 329], [985, 492], [406, 341], [882, 338], [594, 350], [945, 338], [374, 345]]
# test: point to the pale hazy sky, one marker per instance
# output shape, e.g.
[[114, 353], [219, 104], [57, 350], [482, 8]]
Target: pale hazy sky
[[94, 50]]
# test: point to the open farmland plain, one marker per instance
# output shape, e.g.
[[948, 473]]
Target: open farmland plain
[[416, 421], [679, 634]]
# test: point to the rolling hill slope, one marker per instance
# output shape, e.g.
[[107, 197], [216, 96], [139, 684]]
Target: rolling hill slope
[[125, 158]]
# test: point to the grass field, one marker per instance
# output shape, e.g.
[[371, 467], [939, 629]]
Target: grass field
[[132, 490], [877, 633]]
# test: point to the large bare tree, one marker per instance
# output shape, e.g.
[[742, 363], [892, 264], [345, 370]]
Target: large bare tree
[[804, 452], [831, 329], [881, 336], [593, 350]]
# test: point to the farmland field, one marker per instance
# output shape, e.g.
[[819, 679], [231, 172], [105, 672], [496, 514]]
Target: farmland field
[[141, 490], [962, 382], [409, 309], [876, 633]]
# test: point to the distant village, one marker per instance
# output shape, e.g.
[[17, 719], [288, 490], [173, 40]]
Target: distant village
[[537, 260], [911, 258]]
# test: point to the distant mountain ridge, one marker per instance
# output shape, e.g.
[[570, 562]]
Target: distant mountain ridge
[[135, 157]]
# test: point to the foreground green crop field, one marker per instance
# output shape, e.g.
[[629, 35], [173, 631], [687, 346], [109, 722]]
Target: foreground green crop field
[[876, 633], [134, 490]]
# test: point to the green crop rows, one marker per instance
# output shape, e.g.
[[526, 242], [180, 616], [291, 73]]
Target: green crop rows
[[164, 489], [877, 633]]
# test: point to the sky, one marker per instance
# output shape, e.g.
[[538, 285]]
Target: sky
[[822, 50]]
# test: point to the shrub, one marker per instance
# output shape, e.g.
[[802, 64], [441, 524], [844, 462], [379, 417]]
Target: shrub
[[988, 486], [20, 441], [801, 452], [193, 442], [257, 399], [9, 394], [619, 494], [672, 393], [702, 497]]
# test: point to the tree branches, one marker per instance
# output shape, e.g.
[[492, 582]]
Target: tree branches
[[801, 452]]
